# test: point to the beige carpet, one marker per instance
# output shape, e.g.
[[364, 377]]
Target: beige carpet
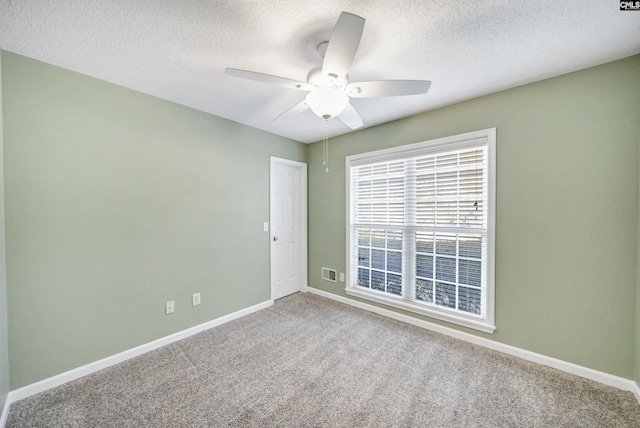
[[311, 362]]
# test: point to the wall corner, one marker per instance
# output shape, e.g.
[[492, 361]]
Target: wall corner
[[4, 341]]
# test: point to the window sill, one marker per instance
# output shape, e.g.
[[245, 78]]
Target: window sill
[[420, 309]]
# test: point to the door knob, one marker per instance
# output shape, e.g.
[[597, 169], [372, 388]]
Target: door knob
[[275, 238]]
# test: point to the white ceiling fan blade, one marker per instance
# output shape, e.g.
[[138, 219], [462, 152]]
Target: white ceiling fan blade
[[343, 45], [387, 88], [268, 78], [296, 109], [350, 117]]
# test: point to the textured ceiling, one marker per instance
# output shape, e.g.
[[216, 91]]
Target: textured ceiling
[[178, 50]]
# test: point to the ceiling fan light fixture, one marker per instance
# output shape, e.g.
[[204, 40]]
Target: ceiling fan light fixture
[[327, 102]]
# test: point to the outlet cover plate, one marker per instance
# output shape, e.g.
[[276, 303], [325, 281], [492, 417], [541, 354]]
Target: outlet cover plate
[[169, 307]]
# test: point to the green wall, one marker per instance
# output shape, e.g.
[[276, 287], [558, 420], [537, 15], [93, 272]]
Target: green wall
[[4, 340], [567, 209], [117, 202], [637, 368]]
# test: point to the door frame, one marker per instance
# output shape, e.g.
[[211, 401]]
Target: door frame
[[302, 167]]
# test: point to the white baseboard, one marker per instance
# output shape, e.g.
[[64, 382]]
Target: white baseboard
[[85, 370], [595, 375]]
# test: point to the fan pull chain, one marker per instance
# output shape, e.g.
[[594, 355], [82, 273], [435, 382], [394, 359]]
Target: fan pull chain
[[325, 149]]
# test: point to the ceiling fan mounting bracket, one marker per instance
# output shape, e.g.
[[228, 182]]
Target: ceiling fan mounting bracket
[[322, 48]]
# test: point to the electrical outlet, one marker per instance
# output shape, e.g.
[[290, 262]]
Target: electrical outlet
[[265, 227], [169, 308], [341, 276], [195, 298]]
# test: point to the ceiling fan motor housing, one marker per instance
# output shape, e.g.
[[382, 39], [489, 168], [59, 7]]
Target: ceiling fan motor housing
[[318, 80]]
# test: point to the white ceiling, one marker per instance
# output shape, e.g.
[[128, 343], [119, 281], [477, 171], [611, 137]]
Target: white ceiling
[[178, 49]]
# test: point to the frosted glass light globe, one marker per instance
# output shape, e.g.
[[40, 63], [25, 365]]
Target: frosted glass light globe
[[327, 102]]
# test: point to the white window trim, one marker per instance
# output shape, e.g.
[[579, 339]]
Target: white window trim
[[447, 143]]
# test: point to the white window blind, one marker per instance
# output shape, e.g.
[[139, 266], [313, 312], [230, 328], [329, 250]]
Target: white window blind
[[421, 228]]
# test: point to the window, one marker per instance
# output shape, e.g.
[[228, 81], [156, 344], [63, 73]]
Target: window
[[421, 228]]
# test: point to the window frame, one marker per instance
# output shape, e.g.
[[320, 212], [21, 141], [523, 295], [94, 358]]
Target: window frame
[[456, 142]]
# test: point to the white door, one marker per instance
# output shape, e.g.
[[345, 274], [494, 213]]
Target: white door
[[288, 227]]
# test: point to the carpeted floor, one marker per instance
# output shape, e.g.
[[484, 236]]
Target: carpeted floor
[[308, 361]]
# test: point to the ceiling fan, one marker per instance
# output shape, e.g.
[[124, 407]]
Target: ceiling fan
[[328, 86]]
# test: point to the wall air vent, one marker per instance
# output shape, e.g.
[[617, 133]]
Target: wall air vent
[[329, 274]]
